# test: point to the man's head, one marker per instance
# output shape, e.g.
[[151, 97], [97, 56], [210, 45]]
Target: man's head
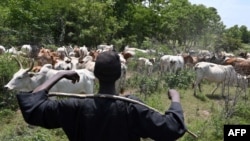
[[107, 66]]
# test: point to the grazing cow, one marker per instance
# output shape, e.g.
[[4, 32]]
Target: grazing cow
[[224, 74], [240, 65], [188, 60], [128, 54], [165, 63], [232, 60], [127, 48], [24, 80], [145, 64], [243, 67], [171, 63]]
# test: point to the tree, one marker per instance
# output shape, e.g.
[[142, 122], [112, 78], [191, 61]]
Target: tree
[[245, 36]]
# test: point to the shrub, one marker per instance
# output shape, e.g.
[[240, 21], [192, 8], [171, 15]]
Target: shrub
[[181, 80], [8, 67]]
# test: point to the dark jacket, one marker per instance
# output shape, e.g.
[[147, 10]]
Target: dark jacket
[[99, 119]]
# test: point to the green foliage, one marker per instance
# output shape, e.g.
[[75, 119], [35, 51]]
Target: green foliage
[[228, 43], [242, 113], [176, 23], [8, 67], [5, 114], [148, 85], [245, 34], [14, 128], [183, 79], [202, 97]]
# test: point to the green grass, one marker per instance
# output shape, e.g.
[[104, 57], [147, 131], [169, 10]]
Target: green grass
[[14, 128]]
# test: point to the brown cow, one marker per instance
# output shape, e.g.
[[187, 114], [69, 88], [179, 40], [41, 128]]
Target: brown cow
[[241, 65], [188, 60]]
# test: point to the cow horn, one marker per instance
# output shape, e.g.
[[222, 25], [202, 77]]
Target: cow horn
[[81, 55], [19, 63], [67, 54], [32, 65]]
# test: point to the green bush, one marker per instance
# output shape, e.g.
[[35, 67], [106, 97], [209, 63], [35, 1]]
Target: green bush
[[8, 66], [182, 80]]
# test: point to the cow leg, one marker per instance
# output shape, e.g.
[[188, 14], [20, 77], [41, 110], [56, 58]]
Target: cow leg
[[218, 84], [195, 85], [223, 89], [161, 69], [199, 85]]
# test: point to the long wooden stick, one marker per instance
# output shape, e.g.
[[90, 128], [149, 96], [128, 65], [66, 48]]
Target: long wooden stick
[[108, 96]]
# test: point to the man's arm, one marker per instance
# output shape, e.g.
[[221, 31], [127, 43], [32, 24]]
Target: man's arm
[[158, 126], [37, 109], [47, 85]]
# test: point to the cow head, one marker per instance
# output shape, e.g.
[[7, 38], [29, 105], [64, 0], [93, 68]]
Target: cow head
[[21, 80]]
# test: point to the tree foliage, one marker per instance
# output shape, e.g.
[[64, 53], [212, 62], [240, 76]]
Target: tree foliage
[[176, 23]]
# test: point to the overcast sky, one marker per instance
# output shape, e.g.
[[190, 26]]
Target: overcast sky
[[232, 12]]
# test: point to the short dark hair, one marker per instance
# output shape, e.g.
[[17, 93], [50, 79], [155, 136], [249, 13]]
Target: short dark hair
[[108, 66]]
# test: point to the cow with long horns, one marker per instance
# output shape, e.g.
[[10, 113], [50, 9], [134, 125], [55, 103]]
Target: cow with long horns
[[25, 80]]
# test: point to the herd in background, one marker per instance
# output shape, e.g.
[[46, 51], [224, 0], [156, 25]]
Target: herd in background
[[221, 67]]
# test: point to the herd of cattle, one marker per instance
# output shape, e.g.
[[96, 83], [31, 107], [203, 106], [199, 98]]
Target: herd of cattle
[[221, 67]]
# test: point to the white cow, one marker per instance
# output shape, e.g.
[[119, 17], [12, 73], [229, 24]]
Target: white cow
[[132, 49], [144, 64], [122, 59], [26, 49], [88, 63], [70, 63], [24, 80], [65, 64], [224, 74], [171, 63], [103, 47], [227, 54], [61, 52], [204, 53], [83, 51], [12, 50]]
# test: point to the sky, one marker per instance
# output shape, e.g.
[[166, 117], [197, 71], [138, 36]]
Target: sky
[[232, 12]]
